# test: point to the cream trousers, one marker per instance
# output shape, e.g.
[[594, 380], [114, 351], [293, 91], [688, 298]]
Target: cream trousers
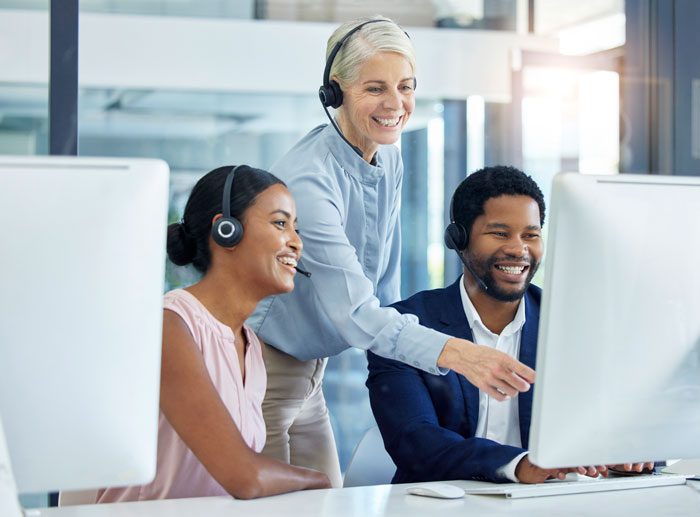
[[298, 426]]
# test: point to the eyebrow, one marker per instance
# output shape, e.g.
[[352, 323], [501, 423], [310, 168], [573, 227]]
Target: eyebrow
[[491, 226], [284, 213], [378, 81]]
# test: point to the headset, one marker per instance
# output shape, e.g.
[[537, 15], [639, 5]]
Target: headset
[[457, 238], [227, 231], [329, 93]]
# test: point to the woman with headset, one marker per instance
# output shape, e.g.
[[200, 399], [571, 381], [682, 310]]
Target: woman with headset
[[239, 231], [346, 179]]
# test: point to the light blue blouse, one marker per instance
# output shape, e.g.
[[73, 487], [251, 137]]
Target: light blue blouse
[[348, 212]]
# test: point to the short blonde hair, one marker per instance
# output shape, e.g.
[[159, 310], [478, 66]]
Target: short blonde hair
[[365, 43]]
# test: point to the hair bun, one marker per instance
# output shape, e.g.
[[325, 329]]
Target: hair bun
[[180, 246]]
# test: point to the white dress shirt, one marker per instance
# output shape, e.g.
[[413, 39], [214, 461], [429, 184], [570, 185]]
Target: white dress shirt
[[498, 421]]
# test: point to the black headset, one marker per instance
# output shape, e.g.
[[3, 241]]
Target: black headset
[[456, 236], [329, 93], [227, 231]]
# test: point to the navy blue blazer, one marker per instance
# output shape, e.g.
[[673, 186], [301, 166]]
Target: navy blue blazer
[[428, 421]]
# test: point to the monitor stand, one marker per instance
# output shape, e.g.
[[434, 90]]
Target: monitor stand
[[9, 503]]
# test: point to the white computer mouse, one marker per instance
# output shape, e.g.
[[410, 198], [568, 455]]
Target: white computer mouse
[[439, 490]]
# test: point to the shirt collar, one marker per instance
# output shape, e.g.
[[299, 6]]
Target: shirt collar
[[474, 319], [351, 162]]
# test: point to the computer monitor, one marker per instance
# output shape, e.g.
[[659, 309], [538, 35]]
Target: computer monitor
[[618, 359], [82, 260]]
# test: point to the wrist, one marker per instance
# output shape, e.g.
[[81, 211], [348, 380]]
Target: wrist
[[522, 464], [445, 359], [452, 352]]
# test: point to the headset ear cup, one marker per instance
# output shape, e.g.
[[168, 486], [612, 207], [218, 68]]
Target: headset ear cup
[[324, 94], [331, 95], [456, 237], [227, 232], [337, 94]]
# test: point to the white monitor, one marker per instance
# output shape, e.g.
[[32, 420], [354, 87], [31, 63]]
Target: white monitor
[[82, 260], [618, 359]]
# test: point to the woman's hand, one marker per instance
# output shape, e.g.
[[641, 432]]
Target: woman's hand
[[193, 406], [493, 372]]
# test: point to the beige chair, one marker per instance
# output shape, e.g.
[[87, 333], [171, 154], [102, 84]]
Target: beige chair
[[370, 464], [76, 497]]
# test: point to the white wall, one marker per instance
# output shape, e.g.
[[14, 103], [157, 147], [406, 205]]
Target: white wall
[[124, 51]]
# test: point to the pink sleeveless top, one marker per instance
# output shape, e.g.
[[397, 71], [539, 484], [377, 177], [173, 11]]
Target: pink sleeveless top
[[179, 473]]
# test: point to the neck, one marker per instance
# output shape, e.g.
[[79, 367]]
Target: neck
[[494, 314], [227, 297], [368, 148]]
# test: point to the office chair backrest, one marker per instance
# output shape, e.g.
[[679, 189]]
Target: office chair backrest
[[370, 464], [76, 497]]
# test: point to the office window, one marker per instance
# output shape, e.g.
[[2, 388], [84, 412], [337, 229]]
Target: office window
[[24, 116], [563, 114]]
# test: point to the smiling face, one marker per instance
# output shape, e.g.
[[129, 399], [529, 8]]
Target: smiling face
[[377, 105], [271, 246], [505, 246]]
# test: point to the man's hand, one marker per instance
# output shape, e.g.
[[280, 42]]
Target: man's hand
[[632, 468], [493, 372], [528, 472]]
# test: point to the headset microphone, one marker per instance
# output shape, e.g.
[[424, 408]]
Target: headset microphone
[[456, 238], [305, 273], [478, 279], [451, 244], [329, 93], [228, 231]]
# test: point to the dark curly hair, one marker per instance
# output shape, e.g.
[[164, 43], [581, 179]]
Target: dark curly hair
[[188, 240], [484, 184]]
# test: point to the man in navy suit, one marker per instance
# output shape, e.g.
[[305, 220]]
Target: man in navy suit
[[442, 427]]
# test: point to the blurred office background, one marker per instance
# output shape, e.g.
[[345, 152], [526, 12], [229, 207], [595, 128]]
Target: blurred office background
[[599, 87]]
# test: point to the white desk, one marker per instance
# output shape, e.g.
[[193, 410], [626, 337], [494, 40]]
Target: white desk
[[391, 500]]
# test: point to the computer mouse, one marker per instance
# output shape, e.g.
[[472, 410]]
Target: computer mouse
[[439, 490]]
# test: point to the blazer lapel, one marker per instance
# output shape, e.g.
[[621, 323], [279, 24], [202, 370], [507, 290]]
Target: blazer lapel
[[528, 352], [456, 324]]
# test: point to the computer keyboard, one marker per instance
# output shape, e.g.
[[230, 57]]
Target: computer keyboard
[[580, 486]]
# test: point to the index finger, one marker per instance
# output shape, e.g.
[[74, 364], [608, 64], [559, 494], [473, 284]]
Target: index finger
[[522, 371], [515, 382]]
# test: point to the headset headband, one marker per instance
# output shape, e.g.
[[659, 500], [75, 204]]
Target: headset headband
[[336, 49], [226, 202]]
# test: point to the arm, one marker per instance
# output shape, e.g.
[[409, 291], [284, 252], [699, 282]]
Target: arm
[[496, 373], [346, 296], [418, 443], [193, 407]]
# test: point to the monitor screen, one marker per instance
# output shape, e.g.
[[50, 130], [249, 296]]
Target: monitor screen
[[82, 264], [618, 359]]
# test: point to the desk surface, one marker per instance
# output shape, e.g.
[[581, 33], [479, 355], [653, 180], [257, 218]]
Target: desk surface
[[392, 500]]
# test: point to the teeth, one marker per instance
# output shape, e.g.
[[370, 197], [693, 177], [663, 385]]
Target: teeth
[[388, 122], [512, 270], [287, 261]]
